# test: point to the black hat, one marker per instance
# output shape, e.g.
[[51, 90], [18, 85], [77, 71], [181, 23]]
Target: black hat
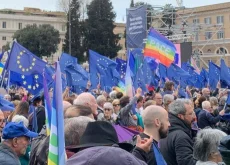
[[224, 149], [99, 133]]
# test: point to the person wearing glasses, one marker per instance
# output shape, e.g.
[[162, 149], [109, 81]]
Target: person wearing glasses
[[108, 113], [116, 106]]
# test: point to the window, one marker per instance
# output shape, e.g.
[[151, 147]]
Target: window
[[196, 21], [220, 19], [4, 25], [197, 52], [19, 25], [196, 37], [4, 38], [208, 35], [220, 35], [63, 28], [207, 20], [221, 51]]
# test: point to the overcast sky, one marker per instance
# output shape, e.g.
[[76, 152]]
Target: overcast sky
[[119, 5]]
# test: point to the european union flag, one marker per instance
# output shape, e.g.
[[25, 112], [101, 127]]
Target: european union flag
[[195, 80], [175, 71], [137, 53], [162, 69], [187, 67], [204, 77], [24, 62], [106, 69], [152, 63], [121, 67], [33, 83], [76, 77], [214, 75], [224, 74], [66, 60], [6, 105]]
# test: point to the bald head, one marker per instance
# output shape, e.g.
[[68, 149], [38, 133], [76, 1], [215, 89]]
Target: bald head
[[206, 92], [151, 113], [66, 105], [86, 99]]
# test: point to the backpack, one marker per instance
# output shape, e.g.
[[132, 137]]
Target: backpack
[[39, 149]]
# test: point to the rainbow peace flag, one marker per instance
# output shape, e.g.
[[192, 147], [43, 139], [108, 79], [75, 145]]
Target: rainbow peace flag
[[159, 47]]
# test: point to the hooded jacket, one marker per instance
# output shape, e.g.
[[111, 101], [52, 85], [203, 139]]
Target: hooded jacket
[[177, 147]]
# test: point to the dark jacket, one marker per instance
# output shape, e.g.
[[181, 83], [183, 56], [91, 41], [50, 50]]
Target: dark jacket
[[8, 156], [177, 148], [205, 119], [41, 117], [151, 160]]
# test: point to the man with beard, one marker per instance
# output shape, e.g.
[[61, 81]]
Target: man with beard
[[16, 139], [156, 124], [177, 147]]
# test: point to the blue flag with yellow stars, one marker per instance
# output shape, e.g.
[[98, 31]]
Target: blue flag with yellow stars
[[33, 83], [24, 62]]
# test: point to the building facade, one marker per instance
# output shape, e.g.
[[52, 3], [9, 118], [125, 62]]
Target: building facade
[[210, 30], [13, 20]]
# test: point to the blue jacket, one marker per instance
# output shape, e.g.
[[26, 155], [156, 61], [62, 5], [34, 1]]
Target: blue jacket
[[8, 156], [205, 119]]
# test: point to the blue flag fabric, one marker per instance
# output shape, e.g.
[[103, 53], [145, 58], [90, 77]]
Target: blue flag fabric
[[58, 108], [204, 77], [187, 67], [214, 75], [24, 62], [102, 70], [152, 63], [35, 123], [1, 55], [66, 60], [228, 99], [176, 71], [121, 67], [33, 83], [162, 71], [195, 80], [6, 105], [76, 77], [224, 74]]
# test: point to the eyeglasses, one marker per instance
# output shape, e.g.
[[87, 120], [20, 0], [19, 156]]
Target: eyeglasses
[[107, 109], [190, 114], [115, 105]]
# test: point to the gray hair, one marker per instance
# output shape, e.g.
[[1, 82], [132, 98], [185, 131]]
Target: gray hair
[[74, 129], [113, 95], [101, 99], [178, 106], [207, 142], [20, 118], [206, 104], [168, 98], [223, 100], [213, 100]]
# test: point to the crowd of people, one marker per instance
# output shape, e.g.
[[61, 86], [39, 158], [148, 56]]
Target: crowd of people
[[169, 129]]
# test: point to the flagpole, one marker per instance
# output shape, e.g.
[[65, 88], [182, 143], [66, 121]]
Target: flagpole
[[8, 84], [3, 77]]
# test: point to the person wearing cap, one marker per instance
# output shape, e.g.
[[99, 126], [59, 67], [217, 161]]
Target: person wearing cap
[[16, 139]]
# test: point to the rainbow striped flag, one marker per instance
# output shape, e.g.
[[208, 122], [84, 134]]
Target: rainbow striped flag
[[1, 67], [56, 155], [159, 47], [128, 79], [120, 87]]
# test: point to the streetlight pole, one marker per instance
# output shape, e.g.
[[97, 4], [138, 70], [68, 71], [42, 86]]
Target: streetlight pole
[[70, 27]]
